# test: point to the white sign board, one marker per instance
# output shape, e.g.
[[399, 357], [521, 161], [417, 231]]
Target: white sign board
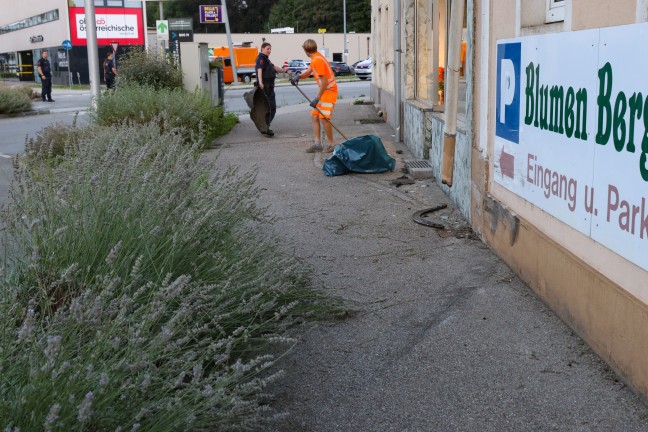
[[111, 26], [571, 131]]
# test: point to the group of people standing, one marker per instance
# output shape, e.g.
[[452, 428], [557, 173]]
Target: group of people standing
[[323, 104]]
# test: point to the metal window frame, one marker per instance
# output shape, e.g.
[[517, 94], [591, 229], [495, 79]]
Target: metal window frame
[[555, 11]]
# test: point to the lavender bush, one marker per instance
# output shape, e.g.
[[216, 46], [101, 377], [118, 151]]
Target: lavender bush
[[14, 100], [139, 291], [192, 113]]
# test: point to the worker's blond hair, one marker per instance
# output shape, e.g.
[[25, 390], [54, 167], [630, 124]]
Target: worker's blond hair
[[310, 46]]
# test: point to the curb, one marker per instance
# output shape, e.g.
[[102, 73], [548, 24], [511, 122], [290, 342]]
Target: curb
[[43, 111]]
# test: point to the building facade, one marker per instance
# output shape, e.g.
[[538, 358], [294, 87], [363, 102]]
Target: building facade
[[59, 26], [550, 144]]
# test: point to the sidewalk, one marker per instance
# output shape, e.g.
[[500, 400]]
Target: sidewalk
[[443, 336]]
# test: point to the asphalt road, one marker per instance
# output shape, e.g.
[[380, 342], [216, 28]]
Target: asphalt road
[[287, 95], [75, 103]]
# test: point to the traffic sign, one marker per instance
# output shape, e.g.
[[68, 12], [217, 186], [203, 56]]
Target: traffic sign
[[114, 46], [67, 45], [321, 30], [162, 29], [181, 35], [181, 24]]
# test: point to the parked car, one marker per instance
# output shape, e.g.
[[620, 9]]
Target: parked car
[[356, 63], [297, 66], [341, 68], [363, 69]]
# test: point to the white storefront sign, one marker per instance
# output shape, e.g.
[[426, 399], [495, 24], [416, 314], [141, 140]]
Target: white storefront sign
[[572, 131], [113, 24]]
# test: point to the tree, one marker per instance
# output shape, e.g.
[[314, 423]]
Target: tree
[[244, 16], [259, 16], [308, 17]]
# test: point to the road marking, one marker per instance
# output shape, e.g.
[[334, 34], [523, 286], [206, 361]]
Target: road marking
[[6, 156]]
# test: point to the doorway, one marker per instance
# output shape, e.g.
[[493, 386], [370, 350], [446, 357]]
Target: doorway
[[26, 66]]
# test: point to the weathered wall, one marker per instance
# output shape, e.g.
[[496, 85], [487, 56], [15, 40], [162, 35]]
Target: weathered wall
[[602, 296], [417, 128], [461, 182]]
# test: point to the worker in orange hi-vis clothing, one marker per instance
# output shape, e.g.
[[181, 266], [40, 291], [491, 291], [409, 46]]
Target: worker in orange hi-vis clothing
[[326, 96]]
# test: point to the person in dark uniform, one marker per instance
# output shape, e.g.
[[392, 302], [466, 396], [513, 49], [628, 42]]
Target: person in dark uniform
[[45, 72], [266, 73], [110, 71]]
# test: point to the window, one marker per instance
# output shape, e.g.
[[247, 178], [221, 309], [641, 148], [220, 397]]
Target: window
[[43, 18], [423, 45], [555, 11], [107, 3]]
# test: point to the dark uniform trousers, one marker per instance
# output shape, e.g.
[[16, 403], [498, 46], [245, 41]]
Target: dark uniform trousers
[[46, 91], [269, 91]]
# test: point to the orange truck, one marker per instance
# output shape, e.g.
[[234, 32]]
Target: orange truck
[[244, 58]]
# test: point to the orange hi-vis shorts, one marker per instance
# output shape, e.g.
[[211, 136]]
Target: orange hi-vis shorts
[[322, 68], [326, 104]]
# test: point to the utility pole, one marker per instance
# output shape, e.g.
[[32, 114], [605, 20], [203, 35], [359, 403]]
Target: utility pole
[[229, 43], [93, 51], [161, 11]]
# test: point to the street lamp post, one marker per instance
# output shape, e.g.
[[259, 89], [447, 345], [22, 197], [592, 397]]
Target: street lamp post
[[93, 52]]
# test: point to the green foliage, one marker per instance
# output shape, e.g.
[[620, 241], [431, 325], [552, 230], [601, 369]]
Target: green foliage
[[150, 69], [308, 17], [192, 112], [261, 15], [14, 101], [139, 290], [244, 16]]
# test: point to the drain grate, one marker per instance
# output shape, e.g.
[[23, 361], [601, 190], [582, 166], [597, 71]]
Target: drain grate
[[419, 169]]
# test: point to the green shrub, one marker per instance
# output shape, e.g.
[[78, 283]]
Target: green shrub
[[150, 69], [192, 112], [139, 291], [14, 101]]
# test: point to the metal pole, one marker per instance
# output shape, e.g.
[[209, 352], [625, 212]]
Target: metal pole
[[93, 52], [161, 11], [229, 43], [145, 19], [344, 50]]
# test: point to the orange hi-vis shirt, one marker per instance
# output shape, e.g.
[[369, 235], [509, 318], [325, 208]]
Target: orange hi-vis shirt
[[322, 68]]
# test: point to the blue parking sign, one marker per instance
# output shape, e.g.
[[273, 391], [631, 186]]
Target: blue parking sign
[[67, 45]]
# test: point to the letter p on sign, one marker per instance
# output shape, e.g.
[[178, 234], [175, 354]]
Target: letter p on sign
[[507, 123], [507, 87]]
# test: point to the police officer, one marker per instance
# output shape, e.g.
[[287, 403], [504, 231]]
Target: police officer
[[110, 71], [266, 73], [45, 72]]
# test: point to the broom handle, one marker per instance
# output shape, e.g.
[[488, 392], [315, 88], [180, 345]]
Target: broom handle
[[322, 114]]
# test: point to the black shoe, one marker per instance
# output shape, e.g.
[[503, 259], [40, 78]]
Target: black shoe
[[270, 132], [50, 100]]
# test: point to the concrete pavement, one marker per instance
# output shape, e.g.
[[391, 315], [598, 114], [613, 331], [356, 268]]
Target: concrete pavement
[[442, 335]]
